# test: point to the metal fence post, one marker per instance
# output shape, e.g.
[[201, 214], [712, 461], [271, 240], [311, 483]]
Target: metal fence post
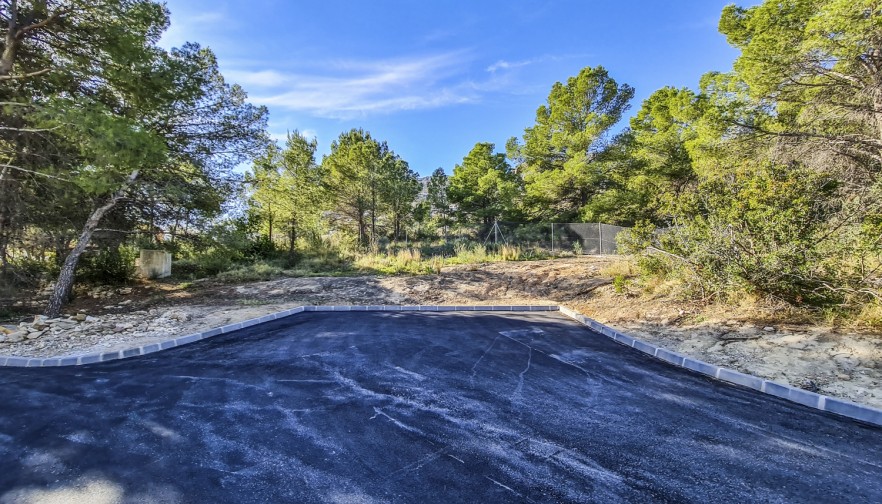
[[552, 237], [600, 238]]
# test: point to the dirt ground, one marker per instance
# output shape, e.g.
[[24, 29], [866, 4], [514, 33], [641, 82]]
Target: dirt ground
[[821, 359]]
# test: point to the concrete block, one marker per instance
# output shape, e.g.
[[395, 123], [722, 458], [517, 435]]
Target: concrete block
[[230, 328], [68, 361], [212, 332], [369, 308], [796, 395], [310, 308], [669, 356], [742, 379], [35, 363], [168, 344], [645, 347], [852, 410], [701, 367], [50, 362], [131, 352], [624, 339], [155, 263], [150, 348], [520, 308], [89, 358], [410, 308], [106, 356], [249, 323], [608, 331], [190, 338]]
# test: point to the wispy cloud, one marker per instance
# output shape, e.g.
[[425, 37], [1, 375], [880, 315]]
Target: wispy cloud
[[191, 27], [346, 88], [506, 65], [511, 65]]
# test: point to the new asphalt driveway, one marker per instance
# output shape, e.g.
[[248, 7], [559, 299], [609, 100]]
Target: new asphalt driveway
[[416, 407]]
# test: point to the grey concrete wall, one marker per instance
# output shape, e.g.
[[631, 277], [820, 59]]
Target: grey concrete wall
[[155, 263]]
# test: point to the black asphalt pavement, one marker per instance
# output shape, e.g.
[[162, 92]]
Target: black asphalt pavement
[[416, 407]]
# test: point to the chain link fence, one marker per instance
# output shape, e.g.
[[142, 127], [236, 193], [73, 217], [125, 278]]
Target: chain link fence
[[578, 237]]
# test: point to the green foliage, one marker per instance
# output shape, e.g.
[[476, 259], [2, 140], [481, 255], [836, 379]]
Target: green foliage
[[255, 272], [370, 187], [620, 284], [560, 154], [483, 187], [286, 195], [757, 232], [108, 266]]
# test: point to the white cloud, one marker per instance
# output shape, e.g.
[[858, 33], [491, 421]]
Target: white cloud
[[507, 65], [346, 88], [191, 27]]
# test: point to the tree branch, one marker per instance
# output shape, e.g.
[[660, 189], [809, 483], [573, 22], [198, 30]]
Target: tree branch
[[25, 76]]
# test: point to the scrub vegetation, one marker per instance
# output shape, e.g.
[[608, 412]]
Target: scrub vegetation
[[759, 183]]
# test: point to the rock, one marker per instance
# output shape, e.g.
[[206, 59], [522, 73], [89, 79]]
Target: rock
[[125, 291], [769, 329], [5, 330], [739, 336], [2, 338], [16, 336], [64, 325], [80, 317], [180, 316], [35, 335], [109, 307], [126, 302], [90, 318]]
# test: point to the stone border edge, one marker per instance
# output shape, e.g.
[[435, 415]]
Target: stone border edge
[[841, 407], [91, 358]]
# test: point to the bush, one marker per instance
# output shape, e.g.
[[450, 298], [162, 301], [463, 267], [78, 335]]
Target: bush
[[107, 266], [755, 231], [256, 272]]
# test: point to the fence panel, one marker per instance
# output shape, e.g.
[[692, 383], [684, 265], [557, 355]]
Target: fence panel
[[579, 237]]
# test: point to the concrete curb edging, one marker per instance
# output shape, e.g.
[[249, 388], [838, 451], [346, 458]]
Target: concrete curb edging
[[841, 407], [78, 360]]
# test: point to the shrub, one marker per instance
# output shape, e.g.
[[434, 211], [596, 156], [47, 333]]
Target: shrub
[[107, 266], [256, 272]]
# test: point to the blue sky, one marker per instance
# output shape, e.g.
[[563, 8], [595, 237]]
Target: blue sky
[[432, 78]]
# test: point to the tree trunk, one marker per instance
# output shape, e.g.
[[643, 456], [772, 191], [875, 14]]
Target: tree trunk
[[64, 283], [11, 43], [292, 238], [271, 224]]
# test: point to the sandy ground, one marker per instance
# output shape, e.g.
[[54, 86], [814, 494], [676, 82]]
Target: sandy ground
[[821, 359]]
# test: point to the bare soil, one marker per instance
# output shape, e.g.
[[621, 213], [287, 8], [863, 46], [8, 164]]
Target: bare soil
[[828, 360]]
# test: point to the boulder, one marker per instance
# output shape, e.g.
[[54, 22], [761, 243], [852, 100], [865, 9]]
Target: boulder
[[16, 336]]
